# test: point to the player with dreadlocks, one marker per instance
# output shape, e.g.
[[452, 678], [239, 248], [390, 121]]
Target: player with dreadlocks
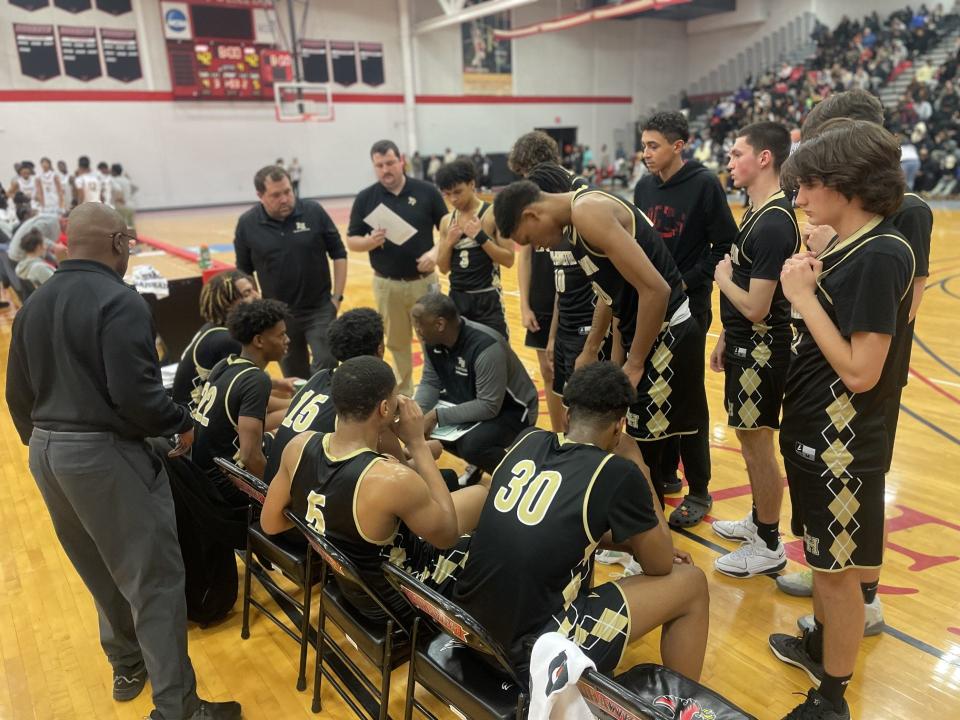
[[212, 342]]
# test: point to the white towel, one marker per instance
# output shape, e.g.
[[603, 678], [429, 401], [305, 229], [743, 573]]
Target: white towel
[[555, 666]]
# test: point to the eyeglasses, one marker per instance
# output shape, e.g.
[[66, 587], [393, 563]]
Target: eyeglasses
[[131, 239]]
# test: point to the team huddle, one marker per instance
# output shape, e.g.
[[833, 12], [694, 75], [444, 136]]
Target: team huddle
[[616, 300]]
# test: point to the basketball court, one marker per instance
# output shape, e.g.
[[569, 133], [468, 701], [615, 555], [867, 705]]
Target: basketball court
[[51, 664]]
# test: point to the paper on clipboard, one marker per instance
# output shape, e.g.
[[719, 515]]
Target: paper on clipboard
[[450, 433], [398, 229]]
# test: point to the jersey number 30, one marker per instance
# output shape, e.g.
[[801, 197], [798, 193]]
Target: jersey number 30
[[529, 492]]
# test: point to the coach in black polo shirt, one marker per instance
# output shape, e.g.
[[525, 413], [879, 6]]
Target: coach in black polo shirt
[[286, 242], [402, 273]]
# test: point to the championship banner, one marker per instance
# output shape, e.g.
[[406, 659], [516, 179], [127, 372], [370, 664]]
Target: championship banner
[[487, 62]]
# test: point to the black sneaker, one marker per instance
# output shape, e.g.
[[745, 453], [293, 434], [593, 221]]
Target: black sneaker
[[228, 710], [128, 684], [470, 476], [793, 651], [817, 707]]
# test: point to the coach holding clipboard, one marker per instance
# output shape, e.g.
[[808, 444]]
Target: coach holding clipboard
[[403, 269]]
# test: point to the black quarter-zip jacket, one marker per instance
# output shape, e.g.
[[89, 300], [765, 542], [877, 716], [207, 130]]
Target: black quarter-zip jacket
[[83, 359]]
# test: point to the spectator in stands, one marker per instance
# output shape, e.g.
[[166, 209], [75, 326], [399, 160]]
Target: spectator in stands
[[33, 268], [909, 160]]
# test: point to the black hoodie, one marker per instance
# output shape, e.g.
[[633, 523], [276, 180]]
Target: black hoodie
[[691, 213]]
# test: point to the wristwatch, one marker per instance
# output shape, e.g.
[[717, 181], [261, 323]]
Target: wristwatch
[[338, 298]]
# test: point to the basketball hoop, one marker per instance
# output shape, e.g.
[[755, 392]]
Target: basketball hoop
[[303, 102]]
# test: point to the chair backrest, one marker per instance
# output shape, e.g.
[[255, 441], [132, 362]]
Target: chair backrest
[[338, 563], [451, 619], [650, 691], [246, 482], [608, 700]]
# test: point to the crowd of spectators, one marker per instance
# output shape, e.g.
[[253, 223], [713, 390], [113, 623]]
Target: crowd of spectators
[[865, 54]]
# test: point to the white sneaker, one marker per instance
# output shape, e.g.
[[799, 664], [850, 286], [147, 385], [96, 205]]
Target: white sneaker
[[613, 557], [742, 530], [872, 619], [752, 558]]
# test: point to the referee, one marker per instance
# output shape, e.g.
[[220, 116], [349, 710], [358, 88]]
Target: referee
[[286, 242], [402, 274], [84, 391]]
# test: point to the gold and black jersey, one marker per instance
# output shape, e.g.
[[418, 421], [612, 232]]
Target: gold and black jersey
[[235, 388], [210, 345], [864, 287], [323, 491], [310, 410], [471, 268], [609, 284], [531, 556], [768, 236]]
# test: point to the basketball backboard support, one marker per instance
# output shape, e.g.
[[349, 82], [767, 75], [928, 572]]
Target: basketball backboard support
[[303, 102]]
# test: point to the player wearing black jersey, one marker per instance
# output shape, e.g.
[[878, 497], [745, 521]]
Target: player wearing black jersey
[[574, 299], [470, 249], [229, 417], [552, 501], [629, 268], [914, 220], [854, 299], [212, 342], [535, 271], [369, 506], [753, 350]]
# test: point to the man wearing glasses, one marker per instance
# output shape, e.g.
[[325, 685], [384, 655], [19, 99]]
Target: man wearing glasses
[[84, 391]]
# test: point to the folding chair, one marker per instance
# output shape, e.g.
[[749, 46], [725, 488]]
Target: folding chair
[[654, 692], [295, 561], [463, 666], [385, 644]]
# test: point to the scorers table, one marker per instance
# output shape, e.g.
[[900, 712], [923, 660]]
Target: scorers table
[[176, 317]]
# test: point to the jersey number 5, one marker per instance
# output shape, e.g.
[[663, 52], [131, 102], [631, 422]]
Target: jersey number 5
[[315, 505], [305, 411], [529, 492], [207, 399]]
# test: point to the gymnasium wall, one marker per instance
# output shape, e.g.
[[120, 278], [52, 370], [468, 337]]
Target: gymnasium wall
[[194, 153]]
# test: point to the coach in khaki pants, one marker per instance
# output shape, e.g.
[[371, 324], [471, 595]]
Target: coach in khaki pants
[[402, 273]]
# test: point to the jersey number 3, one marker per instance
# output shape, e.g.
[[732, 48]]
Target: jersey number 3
[[529, 492]]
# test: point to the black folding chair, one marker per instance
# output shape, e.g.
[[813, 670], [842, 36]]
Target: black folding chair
[[385, 644], [653, 692], [463, 666], [293, 559]]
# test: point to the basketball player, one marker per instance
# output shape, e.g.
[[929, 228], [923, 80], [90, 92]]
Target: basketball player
[[90, 187], [914, 220], [535, 272], [25, 181], [50, 190], [574, 299], [753, 350], [553, 500], [372, 508], [230, 415], [630, 268], [66, 184], [212, 342], [687, 205], [470, 251], [854, 299]]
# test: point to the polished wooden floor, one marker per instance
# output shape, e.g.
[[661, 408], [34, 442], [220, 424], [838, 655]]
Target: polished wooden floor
[[51, 665]]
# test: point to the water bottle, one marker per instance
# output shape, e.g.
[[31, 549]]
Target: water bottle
[[204, 260]]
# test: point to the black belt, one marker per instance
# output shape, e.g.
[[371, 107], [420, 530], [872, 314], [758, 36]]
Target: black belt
[[407, 278]]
